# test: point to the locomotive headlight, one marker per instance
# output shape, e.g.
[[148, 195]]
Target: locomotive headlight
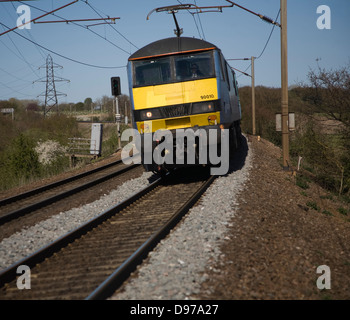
[[203, 107], [150, 114]]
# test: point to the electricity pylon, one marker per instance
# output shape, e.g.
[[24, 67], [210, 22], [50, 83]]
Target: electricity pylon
[[51, 94]]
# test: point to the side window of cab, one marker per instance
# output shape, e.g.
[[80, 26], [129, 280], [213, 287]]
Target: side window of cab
[[224, 71], [235, 83]]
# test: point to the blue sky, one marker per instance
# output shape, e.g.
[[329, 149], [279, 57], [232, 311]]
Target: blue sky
[[238, 33]]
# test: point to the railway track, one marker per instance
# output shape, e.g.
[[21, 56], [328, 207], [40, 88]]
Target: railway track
[[93, 260], [25, 203]]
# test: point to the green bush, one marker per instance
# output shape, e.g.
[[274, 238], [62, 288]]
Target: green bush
[[19, 162], [22, 160]]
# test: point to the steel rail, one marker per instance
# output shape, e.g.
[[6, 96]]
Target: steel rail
[[55, 184], [10, 274], [25, 210], [116, 279]]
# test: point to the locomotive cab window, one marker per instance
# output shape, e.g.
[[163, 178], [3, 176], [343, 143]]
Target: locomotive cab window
[[151, 72], [222, 64], [194, 66], [184, 67], [234, 83]]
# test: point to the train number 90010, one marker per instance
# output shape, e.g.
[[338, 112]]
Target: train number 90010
[[207, 96]]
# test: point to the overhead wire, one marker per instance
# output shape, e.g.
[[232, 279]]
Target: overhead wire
[[199, 33], [17, 55], [41, 52], [266, 44], [201, 36], [242, 73], [10, 74], [95, 10], [79, 25], [39, 46], [16, 91], [200, 21], [22, 57], [61, 55], [41, 49], [268, 40]]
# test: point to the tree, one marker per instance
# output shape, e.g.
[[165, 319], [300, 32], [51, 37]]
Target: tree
[[32, 107], [329, 94], [125, 105], [327, 102], [79, 106], [88, 103]]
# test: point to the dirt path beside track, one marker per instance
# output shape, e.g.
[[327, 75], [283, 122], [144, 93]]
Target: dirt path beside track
[[277, 240]]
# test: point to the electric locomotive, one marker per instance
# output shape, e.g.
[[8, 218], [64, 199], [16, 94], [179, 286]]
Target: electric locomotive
[[182, 83]]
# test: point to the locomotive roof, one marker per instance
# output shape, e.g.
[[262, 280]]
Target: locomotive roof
[[172, 46]]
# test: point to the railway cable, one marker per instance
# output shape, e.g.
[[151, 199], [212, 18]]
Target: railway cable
[[262, 52], [79, 25], [62, 56], [202, 36], [95, 10], [268, 40], [22, 56]]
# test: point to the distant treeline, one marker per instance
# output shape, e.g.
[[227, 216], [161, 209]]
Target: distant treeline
[[322, 135]]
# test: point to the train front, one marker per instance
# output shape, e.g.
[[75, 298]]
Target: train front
[[175, 101]]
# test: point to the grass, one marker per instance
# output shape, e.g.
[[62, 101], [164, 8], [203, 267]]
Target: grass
[[343, 211], [313, 205], [302, 182], [327, 213]]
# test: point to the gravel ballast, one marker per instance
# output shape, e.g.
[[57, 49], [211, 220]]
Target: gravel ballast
[[176, 268], [30, 239]]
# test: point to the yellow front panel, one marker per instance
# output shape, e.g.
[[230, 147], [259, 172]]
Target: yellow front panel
[[175, 93], [178, 123], [183, 122]]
